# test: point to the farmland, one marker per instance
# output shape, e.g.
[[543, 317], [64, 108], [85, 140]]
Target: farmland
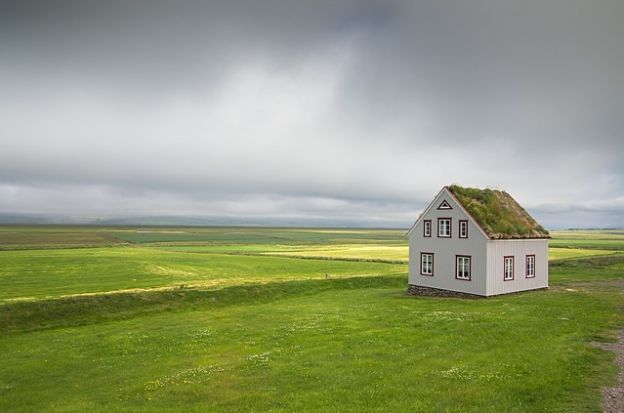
[[258, 319]]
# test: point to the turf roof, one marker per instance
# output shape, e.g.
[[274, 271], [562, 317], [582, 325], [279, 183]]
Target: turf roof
[[497, 213]]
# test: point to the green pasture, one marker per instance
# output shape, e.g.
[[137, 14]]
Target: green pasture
[[368, 251], [559, 253], [596, 239], [321, 345], [147, 321], [245, 236], [55, 237], [601, 234], [28, 274]]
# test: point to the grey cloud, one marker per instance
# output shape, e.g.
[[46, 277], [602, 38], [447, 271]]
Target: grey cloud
[[204, 107]]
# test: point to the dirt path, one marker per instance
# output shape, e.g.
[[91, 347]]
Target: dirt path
[[613, 397]]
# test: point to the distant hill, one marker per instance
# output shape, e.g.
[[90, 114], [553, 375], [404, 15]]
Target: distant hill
[[27, 219], [59, 219]]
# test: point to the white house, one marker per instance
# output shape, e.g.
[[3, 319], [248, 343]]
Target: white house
[[473, 241]]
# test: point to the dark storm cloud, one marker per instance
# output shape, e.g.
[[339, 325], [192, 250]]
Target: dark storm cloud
[[311, 109]]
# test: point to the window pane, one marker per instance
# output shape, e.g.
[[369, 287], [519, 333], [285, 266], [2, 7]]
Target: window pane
[[463, 268]]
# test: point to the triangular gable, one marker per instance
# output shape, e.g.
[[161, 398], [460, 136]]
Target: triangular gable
[[444, 205], [436, 199]]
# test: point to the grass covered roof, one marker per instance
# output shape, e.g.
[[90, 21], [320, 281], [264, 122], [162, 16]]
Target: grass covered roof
[[498, 214]]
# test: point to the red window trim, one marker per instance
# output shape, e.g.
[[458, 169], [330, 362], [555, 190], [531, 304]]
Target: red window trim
[[450, 227], [460, 228], [513, 266], [469, 267], [526, 266], [432, 263], [425, 228]]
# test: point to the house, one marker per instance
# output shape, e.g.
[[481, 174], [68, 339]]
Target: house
[[479, 242]]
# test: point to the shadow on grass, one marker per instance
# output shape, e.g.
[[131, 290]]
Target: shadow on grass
[[598, 262], [78, 310]]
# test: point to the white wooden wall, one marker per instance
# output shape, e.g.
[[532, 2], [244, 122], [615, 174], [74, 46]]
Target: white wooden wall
[[519, 249]]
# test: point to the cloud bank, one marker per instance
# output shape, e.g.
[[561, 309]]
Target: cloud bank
[[347, 110]]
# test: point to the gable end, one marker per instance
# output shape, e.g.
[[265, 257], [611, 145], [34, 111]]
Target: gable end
[[436, 201]]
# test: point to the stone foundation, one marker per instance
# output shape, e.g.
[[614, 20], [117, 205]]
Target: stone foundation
[[437, 292], [422, 291]]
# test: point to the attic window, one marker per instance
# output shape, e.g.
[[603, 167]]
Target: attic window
[[444, 227], [444, 205], [427, 228], [463, 228]]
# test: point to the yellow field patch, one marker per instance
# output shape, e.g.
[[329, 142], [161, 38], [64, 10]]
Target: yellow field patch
[[352, 251], [563, 253], [401, 252], [162, 270]]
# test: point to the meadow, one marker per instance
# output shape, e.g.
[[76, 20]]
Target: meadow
[[282, 320]]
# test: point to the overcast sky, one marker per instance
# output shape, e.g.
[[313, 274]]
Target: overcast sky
[[346, 110]]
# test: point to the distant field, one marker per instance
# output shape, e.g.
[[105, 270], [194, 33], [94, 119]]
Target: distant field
[[52, 273], [390, 253], [54, 237], [290, 236], [599, 239], [282, 320], [555, 253], [346, 243], [617, 234], [383, 252]]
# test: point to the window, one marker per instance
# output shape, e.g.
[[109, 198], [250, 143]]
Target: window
[[463, 228], [530, 266], [426, 263], [508, 269], [427, 228], [444, 227], [462, 267]]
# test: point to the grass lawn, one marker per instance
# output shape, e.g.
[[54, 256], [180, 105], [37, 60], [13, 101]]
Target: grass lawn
[[337, 349], [263, 333]]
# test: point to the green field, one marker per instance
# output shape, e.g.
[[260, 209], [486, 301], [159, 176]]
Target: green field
[[54, 273], [282, 320]]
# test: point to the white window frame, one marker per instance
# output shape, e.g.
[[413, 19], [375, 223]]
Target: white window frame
[[423, 256], [463, 228], [463, 269], [530, 266], [448, 227], [508, 264]]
